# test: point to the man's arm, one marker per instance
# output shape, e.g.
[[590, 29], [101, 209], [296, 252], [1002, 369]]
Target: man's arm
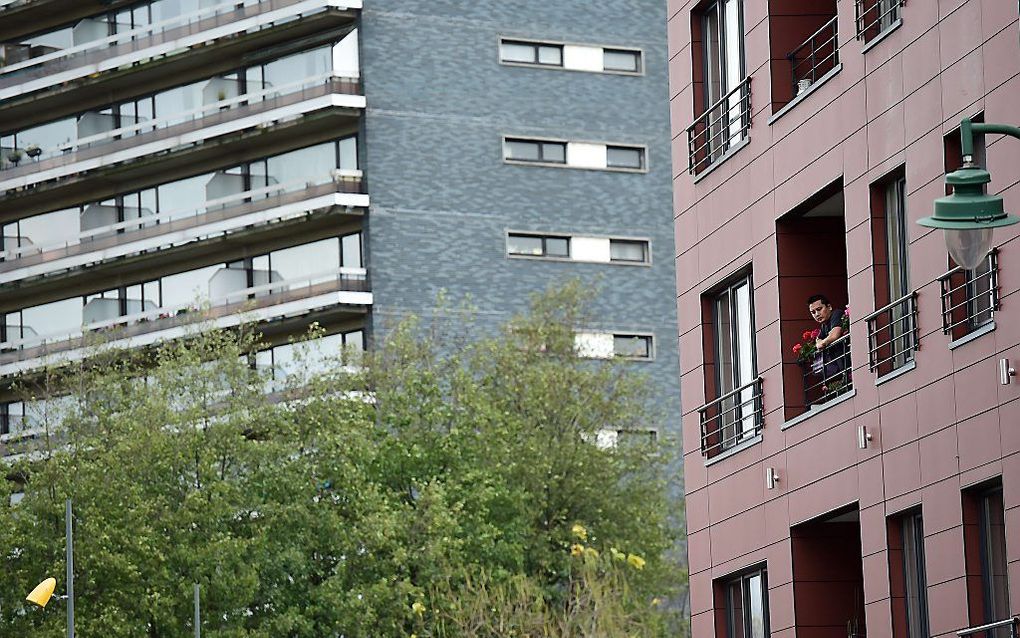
[[834, 334]]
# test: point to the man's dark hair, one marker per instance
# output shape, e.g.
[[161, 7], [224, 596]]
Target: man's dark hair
[[822, 298]]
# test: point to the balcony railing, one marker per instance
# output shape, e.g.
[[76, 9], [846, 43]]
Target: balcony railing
[[215, 217], [238, 301], [817, 56], [721, 127], [1008, 628], [892, 334], [345, 85], [259, 108], [875, 16], [970, 297], [830, 374], [733, 418], [164, 38]]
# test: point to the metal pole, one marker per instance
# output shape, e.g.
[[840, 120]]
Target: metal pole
[[69, 541], [198, 615]]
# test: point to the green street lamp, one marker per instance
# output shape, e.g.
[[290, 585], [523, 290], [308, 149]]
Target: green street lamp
[[969, 215]]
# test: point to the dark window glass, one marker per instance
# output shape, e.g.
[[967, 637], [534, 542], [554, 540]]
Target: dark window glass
[[524, 245], [747, 613], [623, 157], [536, 151], [628, 250], [995, 581], [617, 60], [636, 346], [915, 581]]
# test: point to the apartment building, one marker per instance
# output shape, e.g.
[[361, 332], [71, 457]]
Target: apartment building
[[328, 161], [872, 487]]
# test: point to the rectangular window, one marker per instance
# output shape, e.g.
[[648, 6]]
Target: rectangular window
[[984, 533], [907, 571], [733, 330], [519, 52], [746, 604], [621, 60], [875, 17], [625, 157], [12, 417], [723, 74], [628, 250], [632, 346], [538, 245], [535, 151]]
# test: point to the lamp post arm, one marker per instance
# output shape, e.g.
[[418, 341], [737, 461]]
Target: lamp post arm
[[969, 129]]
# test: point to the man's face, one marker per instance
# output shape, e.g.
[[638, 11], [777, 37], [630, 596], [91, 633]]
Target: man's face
[[820, 312]]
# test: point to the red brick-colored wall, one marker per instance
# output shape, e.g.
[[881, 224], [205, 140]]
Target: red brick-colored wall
[[936, 429]]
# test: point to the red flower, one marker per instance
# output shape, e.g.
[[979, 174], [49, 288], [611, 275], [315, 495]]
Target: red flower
[[806, 335], [796, 349], [815, 333]]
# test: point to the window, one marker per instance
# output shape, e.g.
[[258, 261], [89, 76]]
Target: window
[[538, 245], [875, 17], [621, 60], [722, 92], [625, 157], [632, 346], [628, 250], [12, 417], [746, 604], [907, 571], [984, 525], [892, 331], [519, 52], [535, 151], [733, 331]]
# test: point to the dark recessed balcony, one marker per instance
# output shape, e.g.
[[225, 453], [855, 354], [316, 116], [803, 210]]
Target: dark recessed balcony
[[237, 129], [18, 17], [210, 42]]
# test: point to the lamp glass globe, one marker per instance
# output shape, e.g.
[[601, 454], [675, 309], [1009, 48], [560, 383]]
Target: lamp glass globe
[[968, 248]]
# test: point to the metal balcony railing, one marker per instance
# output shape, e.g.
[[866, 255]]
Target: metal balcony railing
[[182, 22], [892, 334], [830, 374], [1008, 628], [734, 417], [719, 128], [875, 16], [817, 56], [186, 225], [970, 297], [264, 295]]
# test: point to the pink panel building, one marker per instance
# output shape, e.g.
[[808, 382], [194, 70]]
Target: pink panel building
[[863, 479]]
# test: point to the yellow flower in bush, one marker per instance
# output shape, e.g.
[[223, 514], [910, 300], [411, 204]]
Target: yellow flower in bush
[[579, 531], [576, 549], [636, 561], [418, 608]]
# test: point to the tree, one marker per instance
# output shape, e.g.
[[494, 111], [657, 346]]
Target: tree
[[370, 500]]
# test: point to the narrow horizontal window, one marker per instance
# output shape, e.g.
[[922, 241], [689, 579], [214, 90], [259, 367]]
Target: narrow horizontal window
[[538, 245], [625, 157], [535, 151], [632, 346], [531, 53], [629, 250], [621, 60]]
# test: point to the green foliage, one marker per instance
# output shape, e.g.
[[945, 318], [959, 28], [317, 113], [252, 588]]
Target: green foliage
[[440, 478]]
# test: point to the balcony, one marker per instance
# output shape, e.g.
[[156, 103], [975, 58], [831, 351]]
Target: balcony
[[238, 128], [343, 292], [970, 299], [721, 130], [814, 59], [829, 375], [876, 18], [18, 17], [208, 42], [735, 418], [892, 336], [231, 220]]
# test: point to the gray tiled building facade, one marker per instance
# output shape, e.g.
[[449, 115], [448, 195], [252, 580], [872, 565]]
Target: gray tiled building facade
[[330, 161]]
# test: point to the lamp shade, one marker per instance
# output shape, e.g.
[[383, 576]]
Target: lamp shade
[[42, 592]]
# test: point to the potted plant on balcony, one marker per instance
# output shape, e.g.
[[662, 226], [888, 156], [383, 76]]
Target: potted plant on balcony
[[811, 359]]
